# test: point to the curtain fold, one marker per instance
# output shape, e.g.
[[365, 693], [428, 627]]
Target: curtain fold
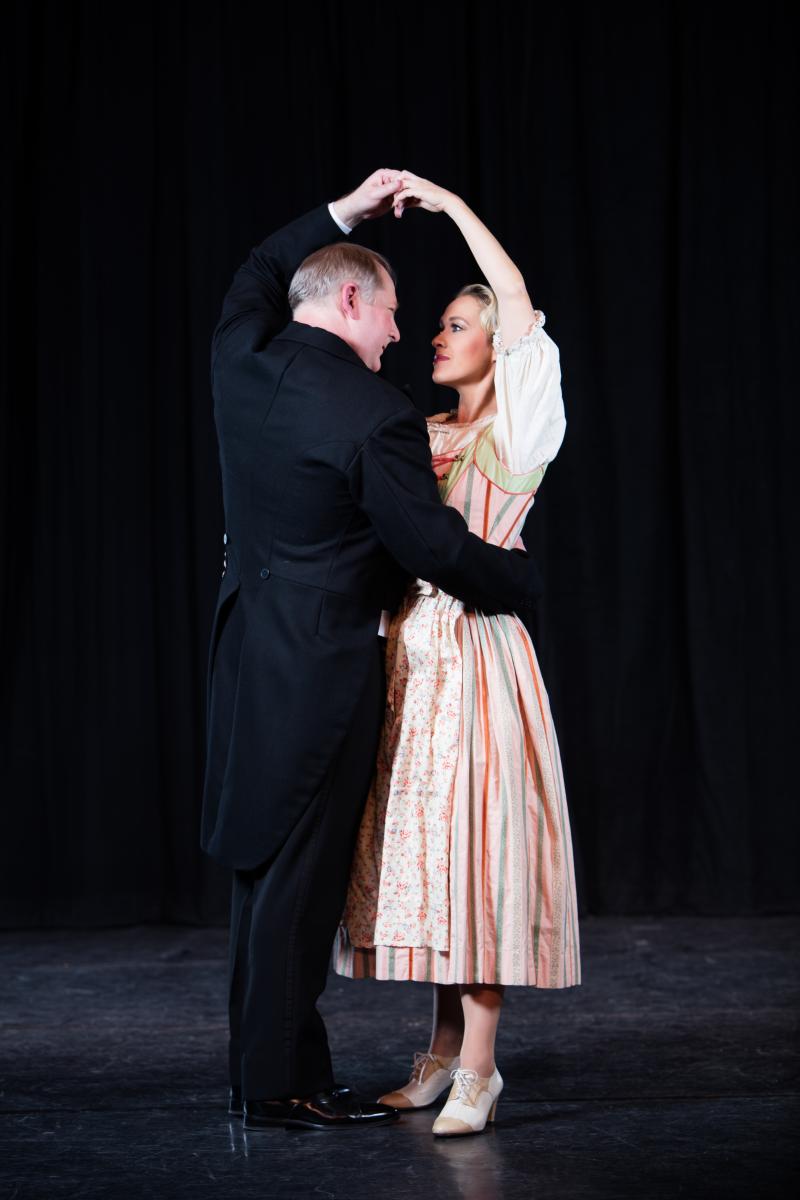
[[638, 167]]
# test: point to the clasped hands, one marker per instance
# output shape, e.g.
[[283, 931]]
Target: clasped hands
[[390, 189]]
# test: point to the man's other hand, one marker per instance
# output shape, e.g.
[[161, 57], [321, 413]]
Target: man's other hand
[[372, 198]]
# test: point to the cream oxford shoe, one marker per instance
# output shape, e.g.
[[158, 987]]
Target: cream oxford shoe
[[430, 1075], [471, 1103]]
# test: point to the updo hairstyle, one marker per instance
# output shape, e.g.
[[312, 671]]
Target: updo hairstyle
[[488, 302]]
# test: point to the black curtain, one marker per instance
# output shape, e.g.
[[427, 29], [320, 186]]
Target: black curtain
[[637, 162]]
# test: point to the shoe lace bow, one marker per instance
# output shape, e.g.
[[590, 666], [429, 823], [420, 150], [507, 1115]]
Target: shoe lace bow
[[467, 1081]]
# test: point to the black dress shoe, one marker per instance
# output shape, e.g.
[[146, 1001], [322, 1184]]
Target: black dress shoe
[[236, 1104], [338, 1108]]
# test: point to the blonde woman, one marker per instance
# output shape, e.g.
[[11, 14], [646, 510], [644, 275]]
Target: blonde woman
[[463, 873]]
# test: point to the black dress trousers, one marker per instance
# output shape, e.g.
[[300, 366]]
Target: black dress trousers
[[283, 922]]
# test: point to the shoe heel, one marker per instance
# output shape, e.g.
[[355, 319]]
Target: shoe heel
[[492, 1111]]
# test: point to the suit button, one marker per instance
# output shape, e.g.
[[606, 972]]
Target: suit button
[[265, 572], [224, 539]]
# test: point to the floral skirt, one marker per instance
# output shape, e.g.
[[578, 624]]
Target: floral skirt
[[463, 868]]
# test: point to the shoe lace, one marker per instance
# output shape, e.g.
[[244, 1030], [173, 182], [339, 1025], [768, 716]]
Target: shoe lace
[[421, 1060], [466, 1081]]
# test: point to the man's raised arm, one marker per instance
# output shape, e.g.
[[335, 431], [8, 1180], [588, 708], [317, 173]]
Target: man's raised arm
[[256, 307]]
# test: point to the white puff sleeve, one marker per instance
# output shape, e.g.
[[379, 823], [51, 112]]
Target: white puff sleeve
[[530, 422]]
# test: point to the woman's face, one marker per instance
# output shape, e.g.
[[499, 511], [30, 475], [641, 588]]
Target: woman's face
[[463, 351]]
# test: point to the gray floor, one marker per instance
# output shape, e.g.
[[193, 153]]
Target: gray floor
[[672, 1071]]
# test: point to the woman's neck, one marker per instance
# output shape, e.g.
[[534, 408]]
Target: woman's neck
[[476, 400]]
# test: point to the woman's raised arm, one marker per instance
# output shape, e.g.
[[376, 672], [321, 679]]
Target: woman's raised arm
[[515, 310]]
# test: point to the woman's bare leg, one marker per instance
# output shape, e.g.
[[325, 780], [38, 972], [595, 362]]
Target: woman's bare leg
[[481, 1005], [448, 1021]]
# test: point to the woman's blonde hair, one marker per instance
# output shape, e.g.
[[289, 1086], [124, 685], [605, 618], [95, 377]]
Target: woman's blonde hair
[[488, 302]]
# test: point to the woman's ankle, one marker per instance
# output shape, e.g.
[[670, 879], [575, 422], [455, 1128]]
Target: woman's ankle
[[445, 1051], [483, 1067]]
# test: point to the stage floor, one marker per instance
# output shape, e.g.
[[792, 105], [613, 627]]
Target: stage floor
[[671, 1071]]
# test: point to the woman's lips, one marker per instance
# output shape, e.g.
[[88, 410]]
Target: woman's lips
[[440, 358]]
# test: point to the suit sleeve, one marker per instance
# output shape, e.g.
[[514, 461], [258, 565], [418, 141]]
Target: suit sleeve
[[256, 306], [392, 481]]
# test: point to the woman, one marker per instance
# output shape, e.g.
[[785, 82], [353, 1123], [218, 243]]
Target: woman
[[463, 874]]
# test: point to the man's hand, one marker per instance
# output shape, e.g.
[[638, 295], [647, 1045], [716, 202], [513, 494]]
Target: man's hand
[[372, 198]]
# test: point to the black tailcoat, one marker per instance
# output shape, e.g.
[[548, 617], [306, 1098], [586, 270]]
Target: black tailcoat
[[328, 486]]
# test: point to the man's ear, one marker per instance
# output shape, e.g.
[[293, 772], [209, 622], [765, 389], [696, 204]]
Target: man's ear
[[349, 300]]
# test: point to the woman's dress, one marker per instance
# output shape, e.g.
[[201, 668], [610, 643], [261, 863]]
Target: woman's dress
[[463, 869]]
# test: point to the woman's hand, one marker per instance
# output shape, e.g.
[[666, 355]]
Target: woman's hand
[[414, 192]]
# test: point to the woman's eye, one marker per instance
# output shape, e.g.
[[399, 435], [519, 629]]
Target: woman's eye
[[456, 328]]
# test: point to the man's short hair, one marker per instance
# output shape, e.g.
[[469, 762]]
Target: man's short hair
[[324, 271]]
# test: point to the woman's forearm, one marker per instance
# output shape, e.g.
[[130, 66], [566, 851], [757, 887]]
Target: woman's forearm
[[516, 312], [502, 274]]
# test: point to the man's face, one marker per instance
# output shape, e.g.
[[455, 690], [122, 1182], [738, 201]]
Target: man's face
[[376, 325]]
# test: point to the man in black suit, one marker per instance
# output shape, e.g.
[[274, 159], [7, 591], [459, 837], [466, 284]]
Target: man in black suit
[[330, 505]]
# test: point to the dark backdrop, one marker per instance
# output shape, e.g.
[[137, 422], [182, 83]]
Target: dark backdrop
[[636, 161]]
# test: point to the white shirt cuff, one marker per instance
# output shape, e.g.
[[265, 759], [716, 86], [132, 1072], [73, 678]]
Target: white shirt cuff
[[344, 228], [383, 628]]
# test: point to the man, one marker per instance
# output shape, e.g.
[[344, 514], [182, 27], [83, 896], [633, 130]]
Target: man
[[330, 503]]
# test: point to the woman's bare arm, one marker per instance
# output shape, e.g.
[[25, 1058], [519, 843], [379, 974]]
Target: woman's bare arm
[[516, 311]]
